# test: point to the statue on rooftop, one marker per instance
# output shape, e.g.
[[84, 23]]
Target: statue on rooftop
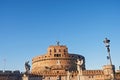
[[58, 43], [27, 67], [79, 64]]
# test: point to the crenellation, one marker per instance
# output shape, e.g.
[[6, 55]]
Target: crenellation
[[59, 64]]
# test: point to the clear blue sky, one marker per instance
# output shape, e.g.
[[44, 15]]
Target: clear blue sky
[[28, 27]]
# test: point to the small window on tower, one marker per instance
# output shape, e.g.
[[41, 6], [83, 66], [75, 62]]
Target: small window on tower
[[54, 50], [59, 50], [50, 50], [64, 50]]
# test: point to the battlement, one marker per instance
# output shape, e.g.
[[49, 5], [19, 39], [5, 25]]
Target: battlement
[[92, 72], [9, 72]]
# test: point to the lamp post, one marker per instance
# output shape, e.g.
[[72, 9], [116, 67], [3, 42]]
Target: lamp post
[[107, 45]]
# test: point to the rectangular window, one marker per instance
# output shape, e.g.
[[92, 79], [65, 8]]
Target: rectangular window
[[57, 55]]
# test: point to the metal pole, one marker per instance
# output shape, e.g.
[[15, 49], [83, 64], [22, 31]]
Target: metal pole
[[4, 64], [107, 44], [109, 55]]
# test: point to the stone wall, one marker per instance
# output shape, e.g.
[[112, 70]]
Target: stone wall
[[57, 57]]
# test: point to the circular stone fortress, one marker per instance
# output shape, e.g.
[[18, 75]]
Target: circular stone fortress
[[59, 64], [57, 60]]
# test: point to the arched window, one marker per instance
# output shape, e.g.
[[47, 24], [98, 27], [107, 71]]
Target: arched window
[[59, 50], [64, 50], [50, 50], [54, 50]]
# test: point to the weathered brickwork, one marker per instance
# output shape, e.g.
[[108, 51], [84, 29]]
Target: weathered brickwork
[[56, 60], [58, 64]]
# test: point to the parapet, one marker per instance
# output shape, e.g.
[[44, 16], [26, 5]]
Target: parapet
[[10, 72], [108, 69]]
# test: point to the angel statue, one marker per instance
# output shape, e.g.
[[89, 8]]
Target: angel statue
[[79, 64], [27, 67]]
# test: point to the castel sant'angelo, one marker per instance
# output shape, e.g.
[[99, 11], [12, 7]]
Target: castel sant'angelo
[[58, 64], [56, 61]]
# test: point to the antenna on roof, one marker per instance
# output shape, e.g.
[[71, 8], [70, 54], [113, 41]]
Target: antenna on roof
[[4, 63]]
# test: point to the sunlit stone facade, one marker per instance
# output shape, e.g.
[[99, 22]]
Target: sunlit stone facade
[[58, 64], [56, 60]]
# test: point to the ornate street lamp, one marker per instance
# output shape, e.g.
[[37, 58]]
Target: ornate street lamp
[[107, 45]]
